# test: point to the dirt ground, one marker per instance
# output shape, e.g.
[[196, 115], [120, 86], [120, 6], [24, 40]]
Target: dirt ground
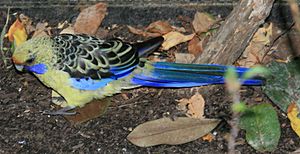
[[24, 129]]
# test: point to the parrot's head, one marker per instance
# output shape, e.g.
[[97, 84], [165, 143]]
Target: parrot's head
[[33, 55]]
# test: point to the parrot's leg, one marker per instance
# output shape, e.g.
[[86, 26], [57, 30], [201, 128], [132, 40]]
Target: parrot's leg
[[62, 111], [57, 99]]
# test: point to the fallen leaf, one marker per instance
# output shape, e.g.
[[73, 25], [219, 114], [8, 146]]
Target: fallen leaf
[[40, 29], [184, 58], [162, 27], [90, 111], [17, 33], [62, 25], [68, 30], [208, 137], [102, 33], [262, 127], [27, 22], [179, 29], [255, 51], [292, 113], [195, 46], [195, 106], [90, 19], [258, 99], [166, 131], [142, 32], [202, 22], [296, 151], [124, 96], [174, 38]]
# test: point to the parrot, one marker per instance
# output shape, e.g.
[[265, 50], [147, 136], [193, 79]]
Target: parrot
[[80, 68]]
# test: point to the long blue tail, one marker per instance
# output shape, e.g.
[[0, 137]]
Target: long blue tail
[[163, 74]]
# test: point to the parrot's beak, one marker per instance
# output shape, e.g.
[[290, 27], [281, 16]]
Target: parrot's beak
[[19, 67]]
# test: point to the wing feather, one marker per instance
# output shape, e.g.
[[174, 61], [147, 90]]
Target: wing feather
[[85, 56]]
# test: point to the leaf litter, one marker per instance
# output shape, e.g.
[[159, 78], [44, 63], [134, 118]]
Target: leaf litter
[[155, 29], [167, 131], [90, 19], [194, 106]]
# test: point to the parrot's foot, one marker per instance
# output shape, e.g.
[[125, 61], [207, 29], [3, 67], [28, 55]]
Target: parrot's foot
[[62, 111]]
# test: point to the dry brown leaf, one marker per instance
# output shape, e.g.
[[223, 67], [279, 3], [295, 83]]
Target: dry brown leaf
[[255, 51], [174, 38], [166, 131], [184, 58], [102, 33], [179, 29], [208, 137], [124, 96], [90, 19], [195, 106], [296, 151], [195, 46], [40, 29], [202, 22], [142, 32], [68, 30], [162, 27], [62, 25], [27, 22], [90, 111]]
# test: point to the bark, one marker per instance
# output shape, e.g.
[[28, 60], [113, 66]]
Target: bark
[[234, 35]]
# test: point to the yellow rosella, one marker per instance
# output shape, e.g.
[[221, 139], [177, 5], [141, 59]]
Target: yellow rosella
[[81, 68]]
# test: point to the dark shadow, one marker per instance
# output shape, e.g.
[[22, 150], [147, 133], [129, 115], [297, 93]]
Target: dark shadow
[[284, 16]]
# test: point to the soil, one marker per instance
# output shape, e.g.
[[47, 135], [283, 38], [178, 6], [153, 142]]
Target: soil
[[24, 129]]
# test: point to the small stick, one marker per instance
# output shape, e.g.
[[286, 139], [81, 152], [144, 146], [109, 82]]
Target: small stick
[[234, 124], [2, 37], [296, 17]]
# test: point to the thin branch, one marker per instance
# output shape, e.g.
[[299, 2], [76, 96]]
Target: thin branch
[[276, 39], [234, 124], [296, 17], [2, 38]]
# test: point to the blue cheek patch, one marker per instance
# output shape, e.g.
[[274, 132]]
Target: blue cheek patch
[[37, 68], [89, 84]]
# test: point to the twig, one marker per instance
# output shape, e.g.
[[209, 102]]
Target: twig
[[296, 17], [295, 13], [129, 102], [234, 124], [276, 39], [2, 38]]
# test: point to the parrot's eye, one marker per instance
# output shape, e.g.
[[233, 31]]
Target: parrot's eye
[[31, 59]]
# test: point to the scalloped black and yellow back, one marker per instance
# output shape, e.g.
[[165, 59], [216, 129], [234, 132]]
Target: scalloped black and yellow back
[[85, 56]]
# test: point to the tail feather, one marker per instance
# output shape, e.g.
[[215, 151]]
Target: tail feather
[[213, 69], [161, 74], [146, 47]]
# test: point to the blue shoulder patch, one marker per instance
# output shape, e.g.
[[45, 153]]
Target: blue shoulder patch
[[37, 68], [89, 84]]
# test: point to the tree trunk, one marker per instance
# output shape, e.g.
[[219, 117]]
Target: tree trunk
[[234, 35]]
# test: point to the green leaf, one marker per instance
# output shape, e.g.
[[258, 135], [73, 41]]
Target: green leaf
[[239, 107], [262, 127], [255, 71], [283, 84]]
